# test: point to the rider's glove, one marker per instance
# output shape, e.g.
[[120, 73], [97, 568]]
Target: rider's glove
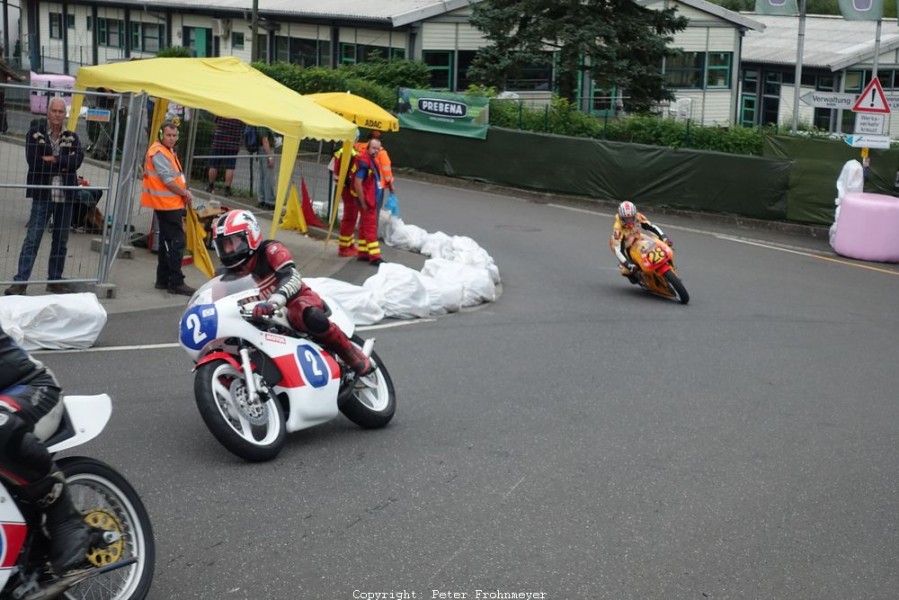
[[668, 241], [267, 309], [632, 267], [263, 310]]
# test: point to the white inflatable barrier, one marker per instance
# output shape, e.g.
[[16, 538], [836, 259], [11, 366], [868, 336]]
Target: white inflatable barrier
[[459, 274], [54, 322], [865, 225]]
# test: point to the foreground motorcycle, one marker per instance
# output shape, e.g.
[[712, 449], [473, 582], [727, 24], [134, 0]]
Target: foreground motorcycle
[[656, 273], [121, 562], [255, 381]]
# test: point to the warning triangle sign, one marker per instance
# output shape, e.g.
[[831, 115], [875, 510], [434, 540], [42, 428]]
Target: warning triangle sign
[[872, 100]]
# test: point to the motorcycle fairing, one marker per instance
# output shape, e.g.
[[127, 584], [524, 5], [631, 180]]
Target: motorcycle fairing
[[12, 534], [198, 326]]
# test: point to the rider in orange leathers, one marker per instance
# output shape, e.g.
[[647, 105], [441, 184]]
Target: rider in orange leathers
[[625, 233]]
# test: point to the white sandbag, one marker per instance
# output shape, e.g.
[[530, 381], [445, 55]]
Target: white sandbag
[[851, 179], [54, 322], [477, 285], [443, 296], [437, 245], [402, 289], [406, 237], [361, 304], [467, 251]]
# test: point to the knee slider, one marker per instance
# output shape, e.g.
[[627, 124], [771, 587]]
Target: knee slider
[[315, 320]]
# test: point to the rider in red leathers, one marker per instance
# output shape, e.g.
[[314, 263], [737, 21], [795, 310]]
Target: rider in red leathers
[[239, 245], [625, 233]]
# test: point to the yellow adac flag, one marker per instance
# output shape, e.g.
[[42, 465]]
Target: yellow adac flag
[[293, 217], [196, 244]]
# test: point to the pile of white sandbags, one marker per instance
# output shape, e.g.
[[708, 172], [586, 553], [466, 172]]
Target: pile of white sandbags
[[459, 273]]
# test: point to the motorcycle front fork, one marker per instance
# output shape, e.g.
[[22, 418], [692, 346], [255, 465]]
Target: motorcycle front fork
[[249, 376]]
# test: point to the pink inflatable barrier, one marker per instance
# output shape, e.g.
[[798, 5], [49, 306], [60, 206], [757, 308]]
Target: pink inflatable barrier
[[867, 227], [56, 85]]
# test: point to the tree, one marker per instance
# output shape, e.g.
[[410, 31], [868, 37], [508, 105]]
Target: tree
[[620, 43]]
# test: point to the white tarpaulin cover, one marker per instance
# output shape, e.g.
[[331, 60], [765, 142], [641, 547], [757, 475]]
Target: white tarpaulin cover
[[53, 322]]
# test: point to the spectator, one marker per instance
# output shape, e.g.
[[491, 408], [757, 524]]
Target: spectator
[[384, 169], [165, 191], [53, 155], [8, 75], [225, 146], [266, 163]]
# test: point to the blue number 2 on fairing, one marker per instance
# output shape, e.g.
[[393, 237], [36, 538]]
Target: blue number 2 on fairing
[[313, 364], [198, 326]]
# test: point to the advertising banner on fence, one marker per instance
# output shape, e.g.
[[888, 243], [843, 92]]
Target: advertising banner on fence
[[443, 112]]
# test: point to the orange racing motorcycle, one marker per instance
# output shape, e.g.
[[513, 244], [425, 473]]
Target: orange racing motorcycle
[[656, 272]]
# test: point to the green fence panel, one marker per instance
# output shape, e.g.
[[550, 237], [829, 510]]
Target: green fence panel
[[817, 164], [650, 175]]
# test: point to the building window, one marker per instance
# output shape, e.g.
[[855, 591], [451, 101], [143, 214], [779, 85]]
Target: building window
[[56, 26], [151, 36], [533, 77], [353, 53], [440, 63], [307, 53], [685, 70], [89, 24], [718, 75], [236, 40], [70, 21], [110, 33], [463, 62]]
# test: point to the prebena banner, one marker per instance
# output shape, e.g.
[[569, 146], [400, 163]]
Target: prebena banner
[[443, 112]]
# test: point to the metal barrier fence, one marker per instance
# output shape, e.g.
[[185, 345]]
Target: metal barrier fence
[[114, 154]]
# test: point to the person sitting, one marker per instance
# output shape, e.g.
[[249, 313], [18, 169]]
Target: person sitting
[[239, 245], [30, 401], [85, 214], [625, 233]]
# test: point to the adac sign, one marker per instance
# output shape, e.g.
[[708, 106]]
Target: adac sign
[[443, 108]]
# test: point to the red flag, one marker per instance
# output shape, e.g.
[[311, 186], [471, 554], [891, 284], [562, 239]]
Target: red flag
[[310, 216]]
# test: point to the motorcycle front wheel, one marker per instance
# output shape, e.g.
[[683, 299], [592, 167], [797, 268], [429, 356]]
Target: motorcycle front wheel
[[250, 430], [677, 287], [108, 502], [372, 402]]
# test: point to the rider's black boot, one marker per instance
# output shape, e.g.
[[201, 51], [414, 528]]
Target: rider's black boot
[[69, 535]]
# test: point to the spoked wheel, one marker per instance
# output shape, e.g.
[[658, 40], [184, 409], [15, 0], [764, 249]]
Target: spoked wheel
[[677, 287], [253, 430], [108, 502], [373, 399]]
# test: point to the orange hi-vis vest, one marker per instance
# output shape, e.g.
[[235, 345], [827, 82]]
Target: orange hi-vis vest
[[155, 194], [382, 163]]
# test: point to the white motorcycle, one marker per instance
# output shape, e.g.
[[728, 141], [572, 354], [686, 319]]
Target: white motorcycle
[[257, 381], [121, 564]]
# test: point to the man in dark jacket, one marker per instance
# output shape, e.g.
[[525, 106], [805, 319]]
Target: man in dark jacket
[[54, 155]]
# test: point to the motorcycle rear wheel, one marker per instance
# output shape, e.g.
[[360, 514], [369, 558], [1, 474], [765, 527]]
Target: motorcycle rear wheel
[[677, 287], [215, 386], [372, 402], [109, 502]]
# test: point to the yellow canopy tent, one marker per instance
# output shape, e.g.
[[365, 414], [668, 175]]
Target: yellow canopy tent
[[226, 87]]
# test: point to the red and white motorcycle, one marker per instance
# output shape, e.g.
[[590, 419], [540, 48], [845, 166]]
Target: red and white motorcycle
[[120, 570], [256, 381]]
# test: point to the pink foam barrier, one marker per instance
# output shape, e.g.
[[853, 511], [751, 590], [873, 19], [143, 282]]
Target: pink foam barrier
[[52, 85], [867, 227]]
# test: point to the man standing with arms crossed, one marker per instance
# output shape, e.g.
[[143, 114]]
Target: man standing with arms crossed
[[165, 191]]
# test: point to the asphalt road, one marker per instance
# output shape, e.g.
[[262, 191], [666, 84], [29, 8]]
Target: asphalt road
[[577, 438]]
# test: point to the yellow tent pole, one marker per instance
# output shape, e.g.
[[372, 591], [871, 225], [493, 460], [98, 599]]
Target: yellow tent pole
[[160, 107], [338, 189], [288, 156], [77, 101]]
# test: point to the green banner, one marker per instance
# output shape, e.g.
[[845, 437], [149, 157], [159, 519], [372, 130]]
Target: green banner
[[443, 112]]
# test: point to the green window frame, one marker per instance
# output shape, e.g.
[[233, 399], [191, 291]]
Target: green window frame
[[237, 40], [441, 64], [718, 72], [55, 26], [110, 33], [685, 70]]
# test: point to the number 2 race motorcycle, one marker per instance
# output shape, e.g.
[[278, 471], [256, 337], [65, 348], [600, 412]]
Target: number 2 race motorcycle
[[257, 380], [120, 565], [656, 272]]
